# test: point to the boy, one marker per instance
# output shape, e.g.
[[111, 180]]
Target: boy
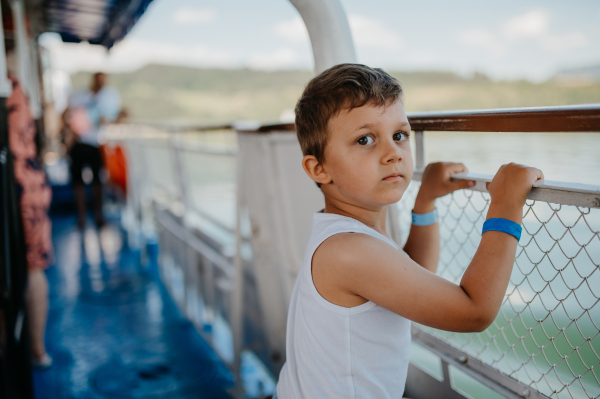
[[348, 329]]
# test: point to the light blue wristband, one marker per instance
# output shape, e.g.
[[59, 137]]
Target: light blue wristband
[[425, 219], [503, 225]]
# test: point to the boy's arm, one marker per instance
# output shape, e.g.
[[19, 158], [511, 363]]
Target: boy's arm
[[369, 268], [423, 244]]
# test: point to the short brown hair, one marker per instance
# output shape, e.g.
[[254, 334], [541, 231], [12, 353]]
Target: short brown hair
[[344, 86]]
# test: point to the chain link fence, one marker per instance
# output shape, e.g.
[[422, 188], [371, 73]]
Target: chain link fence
[[547, 333]]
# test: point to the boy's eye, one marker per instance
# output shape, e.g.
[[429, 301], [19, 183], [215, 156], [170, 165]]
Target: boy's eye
[[365, 140], [400, 136]]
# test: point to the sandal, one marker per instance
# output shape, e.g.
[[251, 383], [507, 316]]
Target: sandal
[[42, 363]]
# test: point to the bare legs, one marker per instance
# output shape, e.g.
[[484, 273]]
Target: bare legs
[[37, 310], [79, 191], [97, 198]]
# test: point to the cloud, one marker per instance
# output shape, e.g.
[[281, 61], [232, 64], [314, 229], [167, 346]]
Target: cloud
[[371, 32], [293, 30], [424, 57], [280, 58], [565, 41], [131, 54], [535, 25], [482, 38], [477, 37], [187, 15], [532, 24], [366, 32]]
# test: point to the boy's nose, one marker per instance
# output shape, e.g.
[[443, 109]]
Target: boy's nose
[[393, 153]]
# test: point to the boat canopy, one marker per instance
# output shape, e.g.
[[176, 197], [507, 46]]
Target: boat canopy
[[102, 22]]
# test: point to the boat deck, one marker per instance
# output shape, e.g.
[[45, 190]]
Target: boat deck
[[113, 330]]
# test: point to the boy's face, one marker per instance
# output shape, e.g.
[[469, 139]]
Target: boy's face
[[367, 156]]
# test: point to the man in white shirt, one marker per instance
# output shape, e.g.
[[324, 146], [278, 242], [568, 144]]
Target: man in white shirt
[[88, 110]]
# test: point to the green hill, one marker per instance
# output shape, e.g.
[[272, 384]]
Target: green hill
[[181, 94]]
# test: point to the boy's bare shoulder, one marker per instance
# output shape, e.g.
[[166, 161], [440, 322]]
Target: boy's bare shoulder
[[346, 261], [354, 250], [350, 269]]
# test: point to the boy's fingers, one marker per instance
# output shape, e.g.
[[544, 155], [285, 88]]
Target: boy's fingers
[[539, 174], [457, 168], [459, 184]]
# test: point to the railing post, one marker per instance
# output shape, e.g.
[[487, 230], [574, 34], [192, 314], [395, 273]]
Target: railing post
[[237, 297], [21, 50], [5, 92], [179, 171], [419, 149], [5, 86], [329, 32]]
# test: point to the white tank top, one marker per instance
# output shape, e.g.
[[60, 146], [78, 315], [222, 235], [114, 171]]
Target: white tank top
[[336, 352]]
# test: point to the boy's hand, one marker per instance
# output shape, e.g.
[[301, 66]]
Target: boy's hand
[[509, 189], [437, 182]]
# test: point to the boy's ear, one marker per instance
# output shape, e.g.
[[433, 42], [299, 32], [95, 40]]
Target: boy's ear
[[315, 170]]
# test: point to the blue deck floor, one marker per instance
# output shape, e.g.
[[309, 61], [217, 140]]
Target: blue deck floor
[[112, 329]]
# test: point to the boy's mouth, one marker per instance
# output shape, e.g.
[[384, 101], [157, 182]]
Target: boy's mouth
[[393, 177]]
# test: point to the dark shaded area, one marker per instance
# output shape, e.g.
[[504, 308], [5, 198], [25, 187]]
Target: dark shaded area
[[15, 367]]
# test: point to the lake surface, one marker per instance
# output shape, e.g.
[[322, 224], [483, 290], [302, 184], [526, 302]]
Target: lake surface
[[569, 157]]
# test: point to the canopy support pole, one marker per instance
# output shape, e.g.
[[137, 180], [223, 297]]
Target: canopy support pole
[[21, 44], [27, 69], [5, 85], [329, 32]]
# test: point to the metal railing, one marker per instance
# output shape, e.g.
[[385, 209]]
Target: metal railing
[[545, 341], [182, 188]]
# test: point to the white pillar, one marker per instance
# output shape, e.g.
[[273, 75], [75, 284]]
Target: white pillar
[[27, 67], [329, 32], [35, 94], [5, 86], [21, 44]]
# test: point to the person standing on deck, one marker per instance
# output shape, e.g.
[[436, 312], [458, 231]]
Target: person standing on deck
[[88, 110], [34, 201]]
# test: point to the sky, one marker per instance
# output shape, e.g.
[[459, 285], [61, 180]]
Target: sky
[[509, 39]]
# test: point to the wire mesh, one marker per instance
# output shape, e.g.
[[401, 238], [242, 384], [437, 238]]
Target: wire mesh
[[547, 333]]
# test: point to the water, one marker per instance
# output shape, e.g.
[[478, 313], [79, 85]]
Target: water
[[568, 157]]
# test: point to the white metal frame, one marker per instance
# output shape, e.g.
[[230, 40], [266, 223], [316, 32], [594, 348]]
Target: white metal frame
[[329, 32], [27, 62], [5, 86], [21, 52]]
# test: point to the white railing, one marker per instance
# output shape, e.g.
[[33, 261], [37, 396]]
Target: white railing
[[545, 341]]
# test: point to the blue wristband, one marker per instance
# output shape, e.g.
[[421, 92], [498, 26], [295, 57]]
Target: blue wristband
[[503, 225], [425, 219]]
